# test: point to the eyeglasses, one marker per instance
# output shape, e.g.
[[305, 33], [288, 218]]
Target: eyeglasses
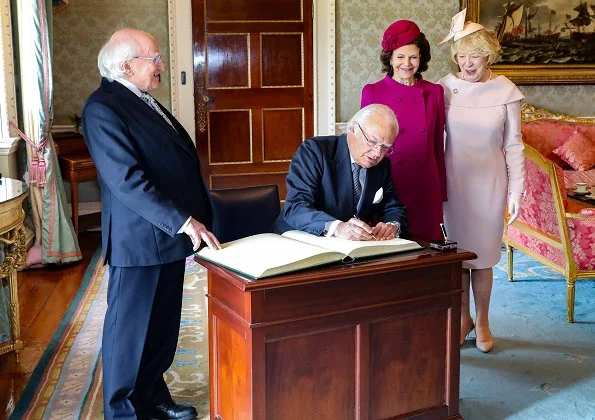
[[387, 150], [156, 60]]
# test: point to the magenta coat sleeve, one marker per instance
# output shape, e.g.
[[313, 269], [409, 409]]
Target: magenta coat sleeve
[[439, 141], [367, 96]]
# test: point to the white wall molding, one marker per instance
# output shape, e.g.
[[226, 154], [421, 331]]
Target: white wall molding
[[181, 60], [8, 107], [324, 67], [9, 145], [340, 127]]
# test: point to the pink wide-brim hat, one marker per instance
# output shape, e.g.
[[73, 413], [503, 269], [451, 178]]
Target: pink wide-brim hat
[[399, 33], [460, 29]]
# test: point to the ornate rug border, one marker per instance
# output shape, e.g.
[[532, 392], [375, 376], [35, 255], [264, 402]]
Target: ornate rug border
[[45, 362]]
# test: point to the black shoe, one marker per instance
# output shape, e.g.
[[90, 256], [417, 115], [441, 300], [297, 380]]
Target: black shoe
[[172, 410]]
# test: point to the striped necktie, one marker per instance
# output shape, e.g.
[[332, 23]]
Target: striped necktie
[[149, 100], [357, 187]]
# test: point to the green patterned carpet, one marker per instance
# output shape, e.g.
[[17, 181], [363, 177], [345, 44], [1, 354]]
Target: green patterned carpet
[[66, 383], [541, 368]]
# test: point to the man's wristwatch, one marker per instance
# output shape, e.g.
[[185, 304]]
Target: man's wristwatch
[[397, 225]]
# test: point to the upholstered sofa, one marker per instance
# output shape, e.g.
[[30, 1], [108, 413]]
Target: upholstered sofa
[[554, 228]]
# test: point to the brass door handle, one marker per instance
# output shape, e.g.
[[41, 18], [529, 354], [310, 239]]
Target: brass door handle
[[205, 99]]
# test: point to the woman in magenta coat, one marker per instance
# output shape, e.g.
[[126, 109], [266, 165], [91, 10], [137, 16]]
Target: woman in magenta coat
[[417, 165]]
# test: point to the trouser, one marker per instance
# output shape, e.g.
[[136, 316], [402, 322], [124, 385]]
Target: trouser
[[140, 335]]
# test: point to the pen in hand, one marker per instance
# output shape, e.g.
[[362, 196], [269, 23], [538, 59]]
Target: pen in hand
[[357, 218]]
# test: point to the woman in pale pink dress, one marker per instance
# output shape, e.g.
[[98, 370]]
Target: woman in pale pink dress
[[484, 164]]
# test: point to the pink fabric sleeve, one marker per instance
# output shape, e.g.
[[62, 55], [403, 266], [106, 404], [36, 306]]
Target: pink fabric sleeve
[[513, 149], [439, 141]]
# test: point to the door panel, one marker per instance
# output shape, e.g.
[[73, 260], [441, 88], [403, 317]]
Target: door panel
[[228, 61], [253, 88], [253, 10], [282, 63], [281, 123]]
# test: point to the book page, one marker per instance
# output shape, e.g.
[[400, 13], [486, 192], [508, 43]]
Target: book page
[[268, 254], [355, 249]]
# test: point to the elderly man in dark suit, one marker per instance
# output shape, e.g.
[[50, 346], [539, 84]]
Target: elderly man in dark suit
[[341, 186], [155, 212]]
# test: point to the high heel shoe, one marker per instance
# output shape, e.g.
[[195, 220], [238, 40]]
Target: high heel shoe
[[464, 337], [484, 346]]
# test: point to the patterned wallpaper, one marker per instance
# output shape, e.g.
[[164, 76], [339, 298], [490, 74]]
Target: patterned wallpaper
[[81, 29], [360, 25], [79, 32]]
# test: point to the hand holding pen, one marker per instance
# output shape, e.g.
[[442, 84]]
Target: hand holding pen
[[355, 230]]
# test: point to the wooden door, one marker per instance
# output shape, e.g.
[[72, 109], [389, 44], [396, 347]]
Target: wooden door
[[253, 88]]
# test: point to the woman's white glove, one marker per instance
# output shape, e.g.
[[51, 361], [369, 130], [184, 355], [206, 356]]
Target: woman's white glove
[[514, 207]]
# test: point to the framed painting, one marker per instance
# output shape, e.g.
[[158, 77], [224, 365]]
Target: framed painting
[[543, 41]]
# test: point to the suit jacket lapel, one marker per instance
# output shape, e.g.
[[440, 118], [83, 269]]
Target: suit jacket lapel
[[180, 137]]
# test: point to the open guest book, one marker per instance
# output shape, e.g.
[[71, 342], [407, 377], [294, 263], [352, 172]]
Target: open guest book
[[270, 254]]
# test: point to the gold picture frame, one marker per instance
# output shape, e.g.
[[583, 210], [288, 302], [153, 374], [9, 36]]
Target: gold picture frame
[[533, 49]]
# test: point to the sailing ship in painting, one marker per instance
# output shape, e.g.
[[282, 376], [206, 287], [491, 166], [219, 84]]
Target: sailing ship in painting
[[542, 31]]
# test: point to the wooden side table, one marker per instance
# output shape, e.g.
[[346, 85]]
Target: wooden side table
[[76, 166], [12, 235]]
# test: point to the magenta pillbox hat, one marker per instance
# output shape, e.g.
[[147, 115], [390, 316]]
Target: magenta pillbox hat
[[399, 33]]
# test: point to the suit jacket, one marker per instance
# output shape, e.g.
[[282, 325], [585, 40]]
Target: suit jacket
[[320, 189], [149, 175]]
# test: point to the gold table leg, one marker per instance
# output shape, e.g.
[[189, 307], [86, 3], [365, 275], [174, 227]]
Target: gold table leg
[[15, 257]]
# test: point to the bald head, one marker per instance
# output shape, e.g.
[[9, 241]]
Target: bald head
[[370, 134], [376, 114], [131, 36]]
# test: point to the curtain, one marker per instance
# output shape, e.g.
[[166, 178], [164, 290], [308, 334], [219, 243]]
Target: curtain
[[55, 240]]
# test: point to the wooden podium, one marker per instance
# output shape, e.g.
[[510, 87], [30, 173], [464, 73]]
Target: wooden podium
[[378, 339]]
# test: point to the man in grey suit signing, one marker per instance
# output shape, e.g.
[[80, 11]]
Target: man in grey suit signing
[[341, 185]]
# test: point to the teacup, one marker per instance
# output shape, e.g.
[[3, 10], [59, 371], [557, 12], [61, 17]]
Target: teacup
[[580, 187]]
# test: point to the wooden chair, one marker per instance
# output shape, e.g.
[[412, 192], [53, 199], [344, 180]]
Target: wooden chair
[[552, 229], [76, 166]]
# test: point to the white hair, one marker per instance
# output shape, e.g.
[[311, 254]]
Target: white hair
[[113, 55], [370, 112]]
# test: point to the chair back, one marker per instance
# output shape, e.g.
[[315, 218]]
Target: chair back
[[544, 204], [241, 212]]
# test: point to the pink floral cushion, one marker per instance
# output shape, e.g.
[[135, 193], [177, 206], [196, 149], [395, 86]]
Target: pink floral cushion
[[578, 151], [547, 135]]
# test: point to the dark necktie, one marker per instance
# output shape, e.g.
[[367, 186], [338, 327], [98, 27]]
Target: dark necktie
[[357, 187], [149, 100]]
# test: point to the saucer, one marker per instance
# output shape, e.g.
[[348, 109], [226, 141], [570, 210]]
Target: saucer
[[581, 193]]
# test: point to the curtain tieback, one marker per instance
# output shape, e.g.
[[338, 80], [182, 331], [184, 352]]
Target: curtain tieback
[[38, 166]]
